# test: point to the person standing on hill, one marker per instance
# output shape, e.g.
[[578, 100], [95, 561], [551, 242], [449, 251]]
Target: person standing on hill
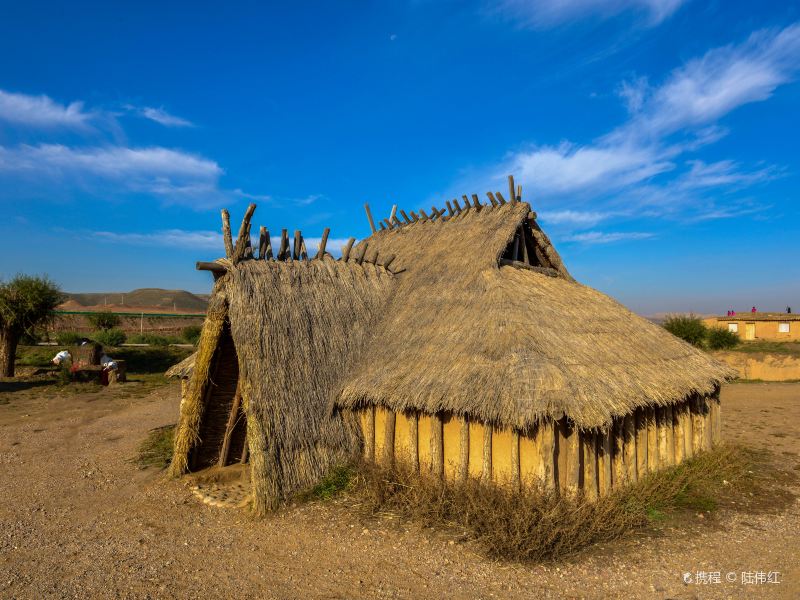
[[753, 310]]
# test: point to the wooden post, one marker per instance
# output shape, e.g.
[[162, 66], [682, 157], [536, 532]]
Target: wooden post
[[413, 439], [652, 439], [697, 425], [515, 478], [677, 432], [405, 216], [707, 423], [226, 233], [716, 421], [463, 450], [369, 434], [589, 448], [512, 192], [346, 250], [544, 448], [437, 446], [604, 469], [486, 472], [283, 251], [242, 248], [322, 243], [661, 431], [686, 415], [569, 463], [629, 448], [618, 477], [476, 201], [500, 198], [668, 430], [369, 217], [388, 438], [641, 442], [232, 418]]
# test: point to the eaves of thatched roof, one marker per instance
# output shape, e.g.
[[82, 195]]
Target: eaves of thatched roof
[[183, 369]]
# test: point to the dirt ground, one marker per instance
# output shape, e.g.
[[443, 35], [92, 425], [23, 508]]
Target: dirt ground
[[79, 520]]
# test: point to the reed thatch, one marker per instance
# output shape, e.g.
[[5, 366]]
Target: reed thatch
[[511, 346], [183, 369]]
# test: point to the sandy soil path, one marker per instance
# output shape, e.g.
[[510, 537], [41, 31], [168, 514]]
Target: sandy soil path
[[79, 520]]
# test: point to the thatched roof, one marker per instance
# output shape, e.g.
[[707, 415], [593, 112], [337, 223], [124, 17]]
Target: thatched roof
[[183, 369], [506, 345], [296, 327]]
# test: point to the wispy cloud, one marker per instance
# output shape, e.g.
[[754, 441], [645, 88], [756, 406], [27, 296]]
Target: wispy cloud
[[606, 237], [645, 165], [574, 217], [162, 117], [542, 14], [42, 112]]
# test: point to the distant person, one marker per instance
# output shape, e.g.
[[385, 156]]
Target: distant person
[[729, 313], [753, 310], [788, 310], [61, 357]]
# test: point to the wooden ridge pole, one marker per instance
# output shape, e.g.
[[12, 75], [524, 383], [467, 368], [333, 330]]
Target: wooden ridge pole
[[284, 249], [243, 239], [346, 249], [322, 243], [512, 193]]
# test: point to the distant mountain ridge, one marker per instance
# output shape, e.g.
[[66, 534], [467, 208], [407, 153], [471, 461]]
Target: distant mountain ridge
[[144, 299]]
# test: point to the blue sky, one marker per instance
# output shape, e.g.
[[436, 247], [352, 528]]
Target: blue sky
[[657, 139]]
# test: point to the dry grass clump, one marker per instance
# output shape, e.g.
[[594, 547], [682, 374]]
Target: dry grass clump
[[533, 525], [157, 448]]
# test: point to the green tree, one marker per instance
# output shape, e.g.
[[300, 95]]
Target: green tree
[[104, 320], [25, 302], [689, 328], [718, 338]]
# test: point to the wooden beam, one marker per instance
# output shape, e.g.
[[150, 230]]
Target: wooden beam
[[505, 262], [519, 193], [677, 433], [500, 198], [424, 216], [618, 476], [457, 206], [233, 416], [450, 210], [414, 216], [393, 214], [388, 438], [486, 471], [641, 442], [388, 260], [437, 446], [589, 451], [515, 475], [629, 448], [346, 249], [264, 244], [369, 434], [243, 239], [604, 456], [214, 267], [303, 251], [360, 258], [388, 224], [652, 439], [491, 199], [413, 439], [296, 245], [463, 450], [322, 243], [405, 216], [369, 217], [476, 201], [283, 251], [466, 201], [226, 233], [512, 193]]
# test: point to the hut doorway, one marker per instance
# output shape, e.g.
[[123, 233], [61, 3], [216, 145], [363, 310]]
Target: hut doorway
[[223, 426], [750, 331]]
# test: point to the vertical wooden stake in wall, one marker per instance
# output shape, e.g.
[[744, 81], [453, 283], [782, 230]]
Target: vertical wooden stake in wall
[[716, 421], [589, 448], [486, 471], [573, 456], [668, 426], [652, 439], [697, 425], [661, 428], [619, 476], [707, 423], [437, 446], [413, 439], [629, 445], [515, 459], [677, 432], [686, 415], [604, 461], [388, 438], [543, 447], [641, 442], [369, 434], [463, 450]]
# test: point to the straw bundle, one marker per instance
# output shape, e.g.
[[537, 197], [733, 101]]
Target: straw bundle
[[296, 327]]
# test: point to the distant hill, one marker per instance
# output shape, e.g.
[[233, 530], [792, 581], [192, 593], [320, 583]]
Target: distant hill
[[145, 300]]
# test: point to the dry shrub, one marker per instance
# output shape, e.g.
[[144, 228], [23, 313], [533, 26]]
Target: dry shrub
[[535, 525]]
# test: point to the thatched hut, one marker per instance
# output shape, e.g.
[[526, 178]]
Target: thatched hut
[[457, 342]]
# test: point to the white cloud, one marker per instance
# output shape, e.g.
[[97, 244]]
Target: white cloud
[[541, 14], [642, 161], [604, 237], [161, 116], [41, 112], [574, 217]]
